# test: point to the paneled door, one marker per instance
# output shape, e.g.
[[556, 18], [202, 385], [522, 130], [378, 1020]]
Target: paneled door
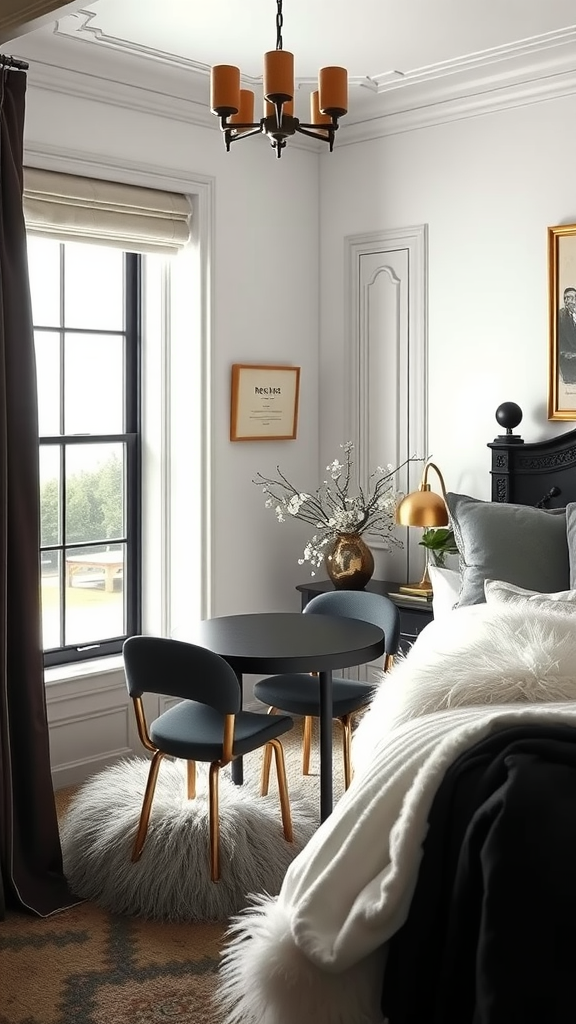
[[387, 415]]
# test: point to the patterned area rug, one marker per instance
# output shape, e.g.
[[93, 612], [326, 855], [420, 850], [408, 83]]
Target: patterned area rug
[[87, 966]]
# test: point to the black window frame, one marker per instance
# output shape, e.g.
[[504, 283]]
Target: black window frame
[[132, 439]]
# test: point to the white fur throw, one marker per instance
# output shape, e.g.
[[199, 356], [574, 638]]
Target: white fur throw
[[315, 953], [479, 654]]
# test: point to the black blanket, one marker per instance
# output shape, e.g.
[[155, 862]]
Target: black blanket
[[491, 933]]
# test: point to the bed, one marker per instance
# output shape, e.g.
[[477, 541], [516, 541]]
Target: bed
[[441, 890]]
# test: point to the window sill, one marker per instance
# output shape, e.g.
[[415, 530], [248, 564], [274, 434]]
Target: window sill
[[83, 669]]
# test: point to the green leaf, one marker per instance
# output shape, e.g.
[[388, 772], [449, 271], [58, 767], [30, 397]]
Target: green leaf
[[440, 539]]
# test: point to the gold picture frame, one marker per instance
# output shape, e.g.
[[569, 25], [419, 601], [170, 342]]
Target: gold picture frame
[[562, 320], [264, 402]]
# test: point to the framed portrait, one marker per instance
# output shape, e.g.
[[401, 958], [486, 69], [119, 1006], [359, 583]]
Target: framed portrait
[[264, 402], [562, 313]]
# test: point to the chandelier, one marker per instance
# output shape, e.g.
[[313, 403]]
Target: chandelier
[[235, 106]]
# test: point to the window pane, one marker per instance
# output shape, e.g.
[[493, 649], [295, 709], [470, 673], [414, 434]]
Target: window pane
[[94, 594], [48, 376], [44, 272], [50, 511], [94, 384], [95, 476], [93, 287], [51, 599]]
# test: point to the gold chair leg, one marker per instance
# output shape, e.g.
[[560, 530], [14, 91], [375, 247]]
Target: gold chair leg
[[282, 789], [191, 776], [346, 721], [306, 744], [214, 823], [265, 775], [388, 662], [146, 806]]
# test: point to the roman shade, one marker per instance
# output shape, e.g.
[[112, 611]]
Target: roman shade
[[77, 209]]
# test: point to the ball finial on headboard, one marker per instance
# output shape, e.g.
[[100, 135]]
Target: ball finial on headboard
[[509, 415]]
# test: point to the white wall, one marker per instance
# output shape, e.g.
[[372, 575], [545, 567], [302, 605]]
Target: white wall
[[487, 187]]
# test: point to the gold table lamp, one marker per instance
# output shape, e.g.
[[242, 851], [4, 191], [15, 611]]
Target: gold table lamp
[[423, 508]]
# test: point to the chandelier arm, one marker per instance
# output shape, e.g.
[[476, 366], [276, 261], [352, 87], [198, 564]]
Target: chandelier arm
[[233, 126], [325, 126], [232, 137], [329, 137]]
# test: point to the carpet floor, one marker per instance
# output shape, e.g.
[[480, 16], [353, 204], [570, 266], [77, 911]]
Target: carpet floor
[[87, 966]]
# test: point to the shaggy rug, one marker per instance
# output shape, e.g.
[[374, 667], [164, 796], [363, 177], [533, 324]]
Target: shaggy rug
[[171, 881]]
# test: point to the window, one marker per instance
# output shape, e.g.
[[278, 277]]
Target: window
[[86, 304]]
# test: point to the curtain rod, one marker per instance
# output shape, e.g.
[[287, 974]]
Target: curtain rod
[[13, 63]]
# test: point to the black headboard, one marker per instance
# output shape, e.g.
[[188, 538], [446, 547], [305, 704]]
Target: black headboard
[[541, 473]]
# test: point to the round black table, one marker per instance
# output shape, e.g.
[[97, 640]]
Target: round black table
[[268, 642]]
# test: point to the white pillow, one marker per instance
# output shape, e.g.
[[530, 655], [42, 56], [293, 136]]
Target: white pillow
[[446, 585], [563, 602]]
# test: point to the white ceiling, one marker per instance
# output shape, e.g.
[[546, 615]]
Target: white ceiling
[[400, 50], [369, 37]]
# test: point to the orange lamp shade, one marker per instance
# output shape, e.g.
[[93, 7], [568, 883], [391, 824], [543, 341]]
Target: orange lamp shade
[[279, 75], [316, 117], [287, 108], [245, 114], [333, 90], [224, 89]]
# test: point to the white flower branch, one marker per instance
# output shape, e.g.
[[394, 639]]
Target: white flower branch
[[332, 510]]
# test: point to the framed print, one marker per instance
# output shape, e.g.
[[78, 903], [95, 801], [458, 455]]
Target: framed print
[[264, 405], [562, 312]]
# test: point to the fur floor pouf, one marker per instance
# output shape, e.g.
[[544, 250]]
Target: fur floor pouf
[[171, 881]]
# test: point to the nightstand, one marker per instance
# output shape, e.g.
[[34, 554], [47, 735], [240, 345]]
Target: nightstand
[[413, 616]]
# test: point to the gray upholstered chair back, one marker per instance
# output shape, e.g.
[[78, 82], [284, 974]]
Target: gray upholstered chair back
[[362, 604], [177, 669]]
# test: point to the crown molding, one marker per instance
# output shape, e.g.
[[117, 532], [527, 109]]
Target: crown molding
[[479, 101], [79, 26], [522, 53], [104, 89]]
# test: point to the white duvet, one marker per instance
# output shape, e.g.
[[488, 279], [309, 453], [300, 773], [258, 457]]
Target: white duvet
[[315, 952]]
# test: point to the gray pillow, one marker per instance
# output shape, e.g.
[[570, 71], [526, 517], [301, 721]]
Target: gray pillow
[[519, 544], [571, 535]]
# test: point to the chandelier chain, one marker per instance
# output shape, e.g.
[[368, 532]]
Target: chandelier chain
[[279, 24]]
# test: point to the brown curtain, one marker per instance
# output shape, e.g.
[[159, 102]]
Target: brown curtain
[[31, 860]]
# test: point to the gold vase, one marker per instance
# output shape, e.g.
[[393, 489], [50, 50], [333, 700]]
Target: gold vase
[[349, 562]]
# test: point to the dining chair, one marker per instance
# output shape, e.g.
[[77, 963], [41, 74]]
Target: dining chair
[[298, 693], [207, 724]]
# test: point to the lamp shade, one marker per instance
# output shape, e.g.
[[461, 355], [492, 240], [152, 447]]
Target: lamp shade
[[245, 113], [333, 91], [224, 89], [278, 75], [422, 508]]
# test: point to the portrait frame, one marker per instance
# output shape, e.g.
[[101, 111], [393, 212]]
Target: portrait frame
[[264, 402], [562, 322]]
